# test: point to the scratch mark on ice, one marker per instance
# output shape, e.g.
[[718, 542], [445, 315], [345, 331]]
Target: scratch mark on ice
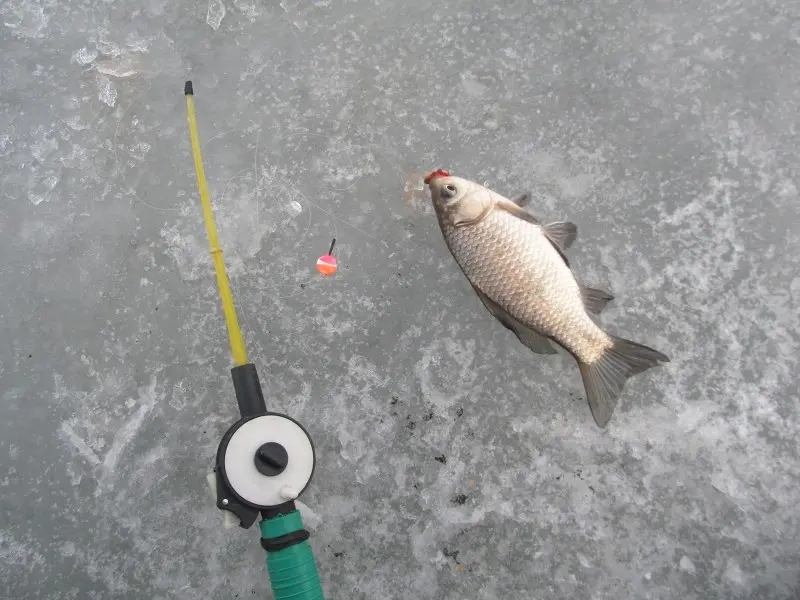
[[69, 435], [126, 434]]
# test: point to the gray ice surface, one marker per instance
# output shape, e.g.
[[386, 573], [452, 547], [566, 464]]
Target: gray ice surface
[[453, 463]]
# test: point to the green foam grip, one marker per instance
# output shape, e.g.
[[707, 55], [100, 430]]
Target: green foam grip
[[292, 571]]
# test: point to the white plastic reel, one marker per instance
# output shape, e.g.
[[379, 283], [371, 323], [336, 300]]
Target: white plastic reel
[[240, 470]]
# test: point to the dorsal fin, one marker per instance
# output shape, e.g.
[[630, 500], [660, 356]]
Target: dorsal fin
[[521, 199]]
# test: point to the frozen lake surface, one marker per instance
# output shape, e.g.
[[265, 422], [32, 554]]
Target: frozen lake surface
[[453, 463]]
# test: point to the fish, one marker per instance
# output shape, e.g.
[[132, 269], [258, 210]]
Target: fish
[[519, 269]]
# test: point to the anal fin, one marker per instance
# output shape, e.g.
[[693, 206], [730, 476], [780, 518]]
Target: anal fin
[[595, 300], [535, 341]]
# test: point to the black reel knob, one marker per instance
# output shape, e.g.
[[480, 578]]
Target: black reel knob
[[271, 459]]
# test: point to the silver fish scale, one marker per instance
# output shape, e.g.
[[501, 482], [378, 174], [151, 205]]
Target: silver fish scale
[[512, 262]]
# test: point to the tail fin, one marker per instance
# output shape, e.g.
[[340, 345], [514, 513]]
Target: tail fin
[[605, 377]]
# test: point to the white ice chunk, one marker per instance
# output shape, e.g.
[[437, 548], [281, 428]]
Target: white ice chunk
[[687, 564], [6, 145], [74, 122], [118, 67], [229, 520], [84, 56], [311, 520], [107, 92], [211, 481], [136, 43], [216, 12], [50, 182], [108, 48], [78, 158], [414, 183], [25, 19], [294, 207], [44, 148]]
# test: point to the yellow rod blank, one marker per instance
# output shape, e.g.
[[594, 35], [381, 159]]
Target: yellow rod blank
[[234, 332]]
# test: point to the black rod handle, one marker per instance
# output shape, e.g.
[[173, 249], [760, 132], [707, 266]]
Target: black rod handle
[[249, 395]]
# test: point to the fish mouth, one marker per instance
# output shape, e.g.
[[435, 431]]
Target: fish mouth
[[434, 174]]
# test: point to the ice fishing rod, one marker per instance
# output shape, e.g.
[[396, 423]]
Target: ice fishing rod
[[265, 460]]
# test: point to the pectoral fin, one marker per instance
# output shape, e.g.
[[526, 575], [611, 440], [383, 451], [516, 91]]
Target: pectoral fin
[[562, 233], [535, 341], [523, 214]]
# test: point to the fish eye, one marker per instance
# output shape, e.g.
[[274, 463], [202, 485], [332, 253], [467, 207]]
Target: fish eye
[[449, 191]]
